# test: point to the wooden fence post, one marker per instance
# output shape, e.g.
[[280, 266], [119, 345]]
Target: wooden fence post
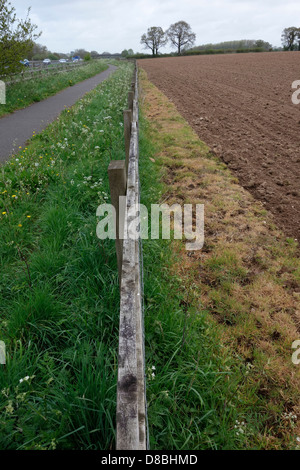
[[131, 399], [130, 99], [127, 133], [118, 184]]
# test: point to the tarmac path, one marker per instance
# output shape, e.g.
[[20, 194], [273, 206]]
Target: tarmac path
[[18, 127]]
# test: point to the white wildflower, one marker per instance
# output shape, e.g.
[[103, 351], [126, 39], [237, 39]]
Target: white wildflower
[[25, 379]]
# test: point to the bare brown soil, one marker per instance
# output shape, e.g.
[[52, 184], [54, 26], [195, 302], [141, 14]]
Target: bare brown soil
[[240, 105], [246, 277]]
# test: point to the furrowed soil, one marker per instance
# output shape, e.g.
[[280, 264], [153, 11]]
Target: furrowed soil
[[241, 106], [245, 281]]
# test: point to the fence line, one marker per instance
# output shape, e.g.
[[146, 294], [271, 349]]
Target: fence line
[[131, 399], [40, 72]]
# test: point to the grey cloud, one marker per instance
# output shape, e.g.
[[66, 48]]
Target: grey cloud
[[114, 25]]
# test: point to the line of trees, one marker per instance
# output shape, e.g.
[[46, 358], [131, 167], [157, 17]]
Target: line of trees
[[243, 44], [41, 52], [179, 34], [291, 38]]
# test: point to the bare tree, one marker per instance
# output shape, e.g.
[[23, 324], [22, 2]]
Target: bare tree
[[289, 37], [180, 34], [154, 39]]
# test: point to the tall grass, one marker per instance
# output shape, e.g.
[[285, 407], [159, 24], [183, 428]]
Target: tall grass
[[59, 302], [59, 308]]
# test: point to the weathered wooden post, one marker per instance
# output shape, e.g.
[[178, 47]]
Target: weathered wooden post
[[131, 399], [130, 99], [127, 133], [2, 353], [118, 183]]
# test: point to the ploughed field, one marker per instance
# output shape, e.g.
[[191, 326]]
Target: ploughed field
[[240, 105]]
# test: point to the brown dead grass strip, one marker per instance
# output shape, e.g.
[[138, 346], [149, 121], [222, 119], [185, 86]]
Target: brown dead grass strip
[[248, 274]]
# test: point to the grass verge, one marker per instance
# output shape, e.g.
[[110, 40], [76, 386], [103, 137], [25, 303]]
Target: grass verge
[[220, 323], [58, 282], [22, 94]]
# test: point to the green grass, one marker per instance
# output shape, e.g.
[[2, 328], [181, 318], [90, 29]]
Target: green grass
[[59, 309], [22, 94], [194, 395], [59, 305], [240, 289]]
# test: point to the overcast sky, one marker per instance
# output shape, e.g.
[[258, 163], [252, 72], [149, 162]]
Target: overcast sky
[[114, 25]]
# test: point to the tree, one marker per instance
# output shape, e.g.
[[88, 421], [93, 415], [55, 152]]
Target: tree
[[38, 52], [16, 38], [127, 52], [81, 53], [94, 54], [154, 39], [298, 38], [263, 45], [289, 37], [180, 34]]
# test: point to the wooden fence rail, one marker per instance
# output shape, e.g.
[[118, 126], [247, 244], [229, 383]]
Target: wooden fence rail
[[26, 75], [131, 401]]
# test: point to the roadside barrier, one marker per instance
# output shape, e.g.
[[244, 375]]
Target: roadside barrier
[[39, 72]]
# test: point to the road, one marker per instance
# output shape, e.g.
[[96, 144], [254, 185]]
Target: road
[[18, 127]]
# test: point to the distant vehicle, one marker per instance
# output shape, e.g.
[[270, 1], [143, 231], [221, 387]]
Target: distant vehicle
[[62, 61], [46, 61], [25, 62], [76, 58]]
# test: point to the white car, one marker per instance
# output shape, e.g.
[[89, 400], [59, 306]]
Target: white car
[[46, 61], [62, 61]]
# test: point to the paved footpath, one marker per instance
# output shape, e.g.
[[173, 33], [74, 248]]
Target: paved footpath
[[18, 127]]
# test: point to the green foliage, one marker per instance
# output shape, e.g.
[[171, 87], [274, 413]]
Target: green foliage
[[291, 38], [23, 93], [52, 56], [16, 38], [181, 36], [233, 46], [87, 57], [58, 283]]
